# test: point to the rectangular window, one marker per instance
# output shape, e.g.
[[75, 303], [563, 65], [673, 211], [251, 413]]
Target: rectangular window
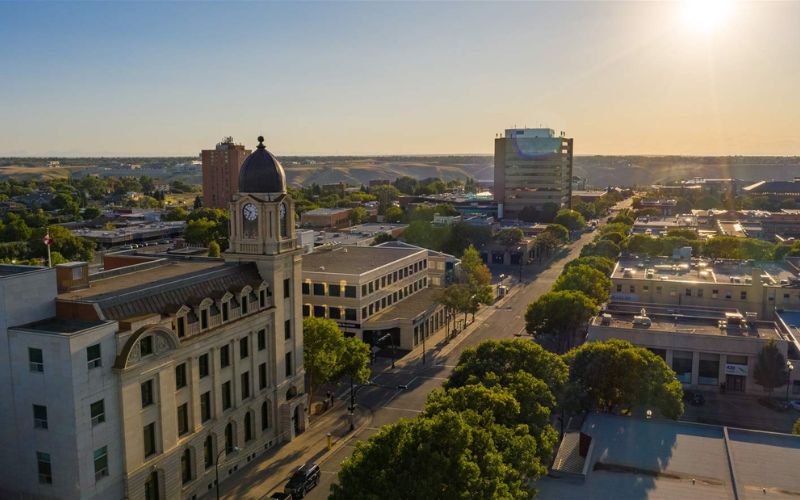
[[287, 328], [245, 378], [743, 295], [181, 327], [371, 287], [183, 419], [262, 376], [100, 463], [180, 376], [202, 365], [306, 289], [708, 369], [262, 298], [632, 289], [319, 289], [224, 356], [700, 293], [688, 292], [262, 339], [383, 281], [149, 440], [225, 311], [350, 314], [204, 319], [363, 290], [226, 396], [682, 366], [205, 406], [288, 359], [714, 294], [43, 465], [371, 309], [658, 290], [93, 356], [287, 288], [319, 311], [619, 288], [244, 347], [364, 313], [350, 291], [334, 313], [35, 359], [146, 346], [147, 393], [244, 304], [306, 310], [335, 290], [39, 417], [97, 411]]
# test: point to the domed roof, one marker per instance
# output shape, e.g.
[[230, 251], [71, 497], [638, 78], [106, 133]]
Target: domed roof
[[261, 172]]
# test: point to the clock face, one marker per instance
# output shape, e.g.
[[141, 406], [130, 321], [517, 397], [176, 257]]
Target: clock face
[[250, 212]]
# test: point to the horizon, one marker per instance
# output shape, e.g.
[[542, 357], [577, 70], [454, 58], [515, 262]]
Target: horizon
[[398, 79]]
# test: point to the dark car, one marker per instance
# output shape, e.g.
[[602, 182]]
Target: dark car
[[694, 398], [303, 480]]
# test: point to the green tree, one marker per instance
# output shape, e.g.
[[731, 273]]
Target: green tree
[[358, 215], [176, 213], [570, 219], [382, 238], [556, 317], [601, 248], [615, 373], [478, 280], [588, 280], [683, 232], [393, 215], [559, 231], [386, 194], [15, 229], [73, 248], [444, 457], [796, 427], [509, 237], [600, 263], [617, 238], [503, 357], [201, 232], [722, 247], [90, 213], [770, 370], [213, 249]]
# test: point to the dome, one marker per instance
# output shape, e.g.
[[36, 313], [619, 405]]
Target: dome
[[261, 172]]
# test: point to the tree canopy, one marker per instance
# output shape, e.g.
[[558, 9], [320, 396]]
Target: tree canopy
[[606, 266], [592, 282], [556, 317], [770, 369], [570, 219]]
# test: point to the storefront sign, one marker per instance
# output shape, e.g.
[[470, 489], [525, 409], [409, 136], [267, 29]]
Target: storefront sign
[[731, 369]]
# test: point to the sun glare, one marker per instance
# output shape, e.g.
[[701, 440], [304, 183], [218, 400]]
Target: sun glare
[[706, 16]]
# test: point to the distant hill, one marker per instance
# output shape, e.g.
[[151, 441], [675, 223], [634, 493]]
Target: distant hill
[[355, 170]]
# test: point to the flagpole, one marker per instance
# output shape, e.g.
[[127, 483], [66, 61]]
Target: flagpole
[[47, 244]]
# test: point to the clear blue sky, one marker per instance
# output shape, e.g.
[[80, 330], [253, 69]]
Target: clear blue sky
[[155, 78]]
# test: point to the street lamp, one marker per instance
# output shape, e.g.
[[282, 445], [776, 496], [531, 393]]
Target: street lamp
[[789, 368], [216, 465]]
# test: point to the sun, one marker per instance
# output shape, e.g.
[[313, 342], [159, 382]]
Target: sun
[[706, 16]]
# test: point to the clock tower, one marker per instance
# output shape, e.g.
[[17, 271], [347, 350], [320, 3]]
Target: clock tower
[[262, 232]]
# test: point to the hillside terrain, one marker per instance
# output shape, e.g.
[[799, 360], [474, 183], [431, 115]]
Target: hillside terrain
[[600, 171]]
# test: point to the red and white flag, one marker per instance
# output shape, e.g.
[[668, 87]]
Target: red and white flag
[[47, 240]]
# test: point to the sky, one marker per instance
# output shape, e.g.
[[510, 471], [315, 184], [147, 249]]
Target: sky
[[159, 78]]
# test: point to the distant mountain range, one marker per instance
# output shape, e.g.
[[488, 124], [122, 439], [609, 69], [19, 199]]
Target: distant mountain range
[[600, 171]]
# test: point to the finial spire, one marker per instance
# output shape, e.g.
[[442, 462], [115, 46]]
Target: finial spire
[[261, 142]]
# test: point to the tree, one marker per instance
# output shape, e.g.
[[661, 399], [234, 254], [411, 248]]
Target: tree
[[557, 316], [444, 456], [201, 232], [683, 232], [15, 230], [90, 213], [600, 263], [588, 280], [559, 231], [382, 238], [198, 202], [770, 370], [478, 280], [386, 194], [617, 238], [615, 373], [358, 215], [601, 248], [507, 357], [72, 247], [796, 427], [176, 213], [328, 355], [570, 219], [213, 249], [509, 237], [393, 215]]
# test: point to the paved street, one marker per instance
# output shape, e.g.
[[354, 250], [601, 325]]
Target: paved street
[[378, 406]]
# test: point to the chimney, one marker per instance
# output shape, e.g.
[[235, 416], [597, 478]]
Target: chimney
[[72, 276]]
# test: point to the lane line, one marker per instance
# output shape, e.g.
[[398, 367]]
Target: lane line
[[400, 409]]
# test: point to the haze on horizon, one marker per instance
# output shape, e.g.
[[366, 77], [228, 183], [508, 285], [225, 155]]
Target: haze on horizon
[[149, 79]]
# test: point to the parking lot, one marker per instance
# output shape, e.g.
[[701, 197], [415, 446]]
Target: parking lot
[[739, 410]]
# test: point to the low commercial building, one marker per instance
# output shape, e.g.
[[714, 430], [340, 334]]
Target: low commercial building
[[747, 286], [132, 234], [373, 291], [627, 457], [658, 226], [322, 218], [707, 348]]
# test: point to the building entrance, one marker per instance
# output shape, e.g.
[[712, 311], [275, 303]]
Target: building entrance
[[735, 383]]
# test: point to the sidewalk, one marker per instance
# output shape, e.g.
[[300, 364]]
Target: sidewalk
[[270, 471]]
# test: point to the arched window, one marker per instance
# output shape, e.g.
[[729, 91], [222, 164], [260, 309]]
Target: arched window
[[264, 416], [186, 466], [151, 487], [283, 216], [229, 444], [248, 426], [208, 452]]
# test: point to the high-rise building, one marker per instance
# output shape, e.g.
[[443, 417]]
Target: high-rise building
[[221, 172], [532, 167]]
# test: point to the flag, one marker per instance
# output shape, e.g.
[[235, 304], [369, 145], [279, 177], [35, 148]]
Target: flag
[[47, 240]]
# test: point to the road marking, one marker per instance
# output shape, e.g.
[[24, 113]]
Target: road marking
[[400, 409], [433, 378]]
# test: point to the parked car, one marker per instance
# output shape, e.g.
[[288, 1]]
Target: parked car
[[795, 404], [303, 480], [694, 398]]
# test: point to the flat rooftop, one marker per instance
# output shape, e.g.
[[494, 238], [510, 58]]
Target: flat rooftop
[[354, 260], [633, 458], [703, 271], [408, 308], [59, 326], [326, 211], [691, 320], [13, 269]]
